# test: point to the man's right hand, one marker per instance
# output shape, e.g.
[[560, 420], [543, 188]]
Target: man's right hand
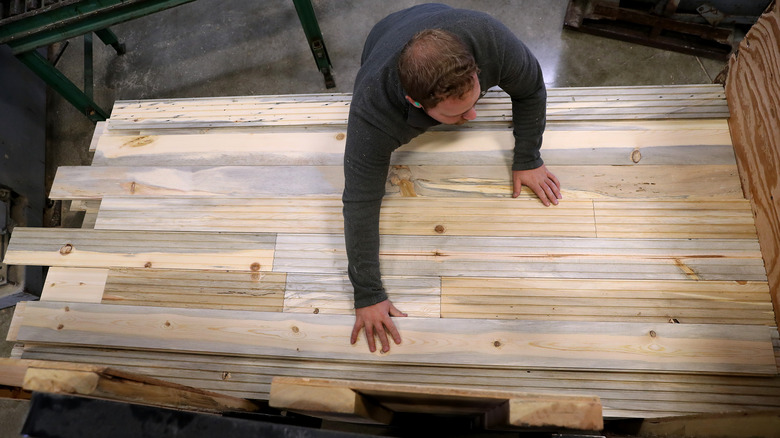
[[376, 322]]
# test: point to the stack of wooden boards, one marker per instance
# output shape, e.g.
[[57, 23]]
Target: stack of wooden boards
[[213, 256]]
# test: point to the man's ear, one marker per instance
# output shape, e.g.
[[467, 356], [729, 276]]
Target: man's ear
[[413, 102]]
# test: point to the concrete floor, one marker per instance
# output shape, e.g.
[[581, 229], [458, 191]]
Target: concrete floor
[[235, 47]]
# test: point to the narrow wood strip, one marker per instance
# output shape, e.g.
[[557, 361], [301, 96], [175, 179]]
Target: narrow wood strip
[[661, 348], [81, 285], [107, 249], [578, 182]]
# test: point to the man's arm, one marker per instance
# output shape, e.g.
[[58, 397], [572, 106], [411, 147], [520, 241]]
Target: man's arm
[[366, 163]]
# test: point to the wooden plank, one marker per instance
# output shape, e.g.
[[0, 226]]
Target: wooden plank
[[703, 142], [627, 395], [261, 291], [495, 343], [100, 129], [399, 216], [753, 94], [113, 249], [503, 408], [656, 259], [312, 293], [111, 384], [721, 302], [579, 182], [80, 285], [674, 219]]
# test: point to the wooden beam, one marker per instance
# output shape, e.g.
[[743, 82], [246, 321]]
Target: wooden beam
[[495, 343], [323, 398]]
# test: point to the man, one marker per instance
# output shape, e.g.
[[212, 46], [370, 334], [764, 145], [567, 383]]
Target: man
[[422, 66]]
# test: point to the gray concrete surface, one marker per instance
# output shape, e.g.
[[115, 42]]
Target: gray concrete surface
[[238, 47]]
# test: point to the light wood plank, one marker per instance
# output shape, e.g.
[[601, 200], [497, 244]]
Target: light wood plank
[[711, 302], [495, 343], [578, 182], [112, 249], [312, 293], [657, 259], [81, 285], [261, 291], [658, 143], [399, 216]]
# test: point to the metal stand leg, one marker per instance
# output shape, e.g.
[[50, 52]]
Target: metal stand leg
[[313, 34], [109, 38], [88, 65], [38, 64]]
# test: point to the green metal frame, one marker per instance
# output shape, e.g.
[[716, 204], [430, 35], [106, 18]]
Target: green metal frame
[[314, 36], [84, 17]]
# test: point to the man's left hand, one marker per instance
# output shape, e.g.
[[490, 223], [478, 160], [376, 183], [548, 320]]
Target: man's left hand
[[541, 181]]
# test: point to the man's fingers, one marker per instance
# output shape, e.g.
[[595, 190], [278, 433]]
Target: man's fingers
[[380, 331], [549, 192], [370, 338], [395, 312], [555, 180], [355, 331], [394, 331]]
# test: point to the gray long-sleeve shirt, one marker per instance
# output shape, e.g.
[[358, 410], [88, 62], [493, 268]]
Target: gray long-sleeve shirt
[[381, 119]]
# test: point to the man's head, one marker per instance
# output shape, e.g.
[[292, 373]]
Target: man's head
[[439, 74]]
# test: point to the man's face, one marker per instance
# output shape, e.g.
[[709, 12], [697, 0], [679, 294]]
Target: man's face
[[457, 111]]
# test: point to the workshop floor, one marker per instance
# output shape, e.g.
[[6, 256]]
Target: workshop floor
[[234, 47]]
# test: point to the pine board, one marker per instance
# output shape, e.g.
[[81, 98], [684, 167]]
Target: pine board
[[705, 142], [713, 302], [653, 259], [81, 285], [107, 249], [579, 182], [494, 343]]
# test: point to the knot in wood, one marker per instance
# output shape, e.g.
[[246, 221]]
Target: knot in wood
[[60, 327], [653, 334], [316, 310], [148, 265], [66, 249], [167, 324], [254, 266], [636, 155], [341, 136], [439, 229], [67, 309], [295, 329], [496, 344], [226, 375]]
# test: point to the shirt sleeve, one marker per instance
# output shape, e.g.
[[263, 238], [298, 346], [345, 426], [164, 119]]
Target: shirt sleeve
[[366, 163]]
